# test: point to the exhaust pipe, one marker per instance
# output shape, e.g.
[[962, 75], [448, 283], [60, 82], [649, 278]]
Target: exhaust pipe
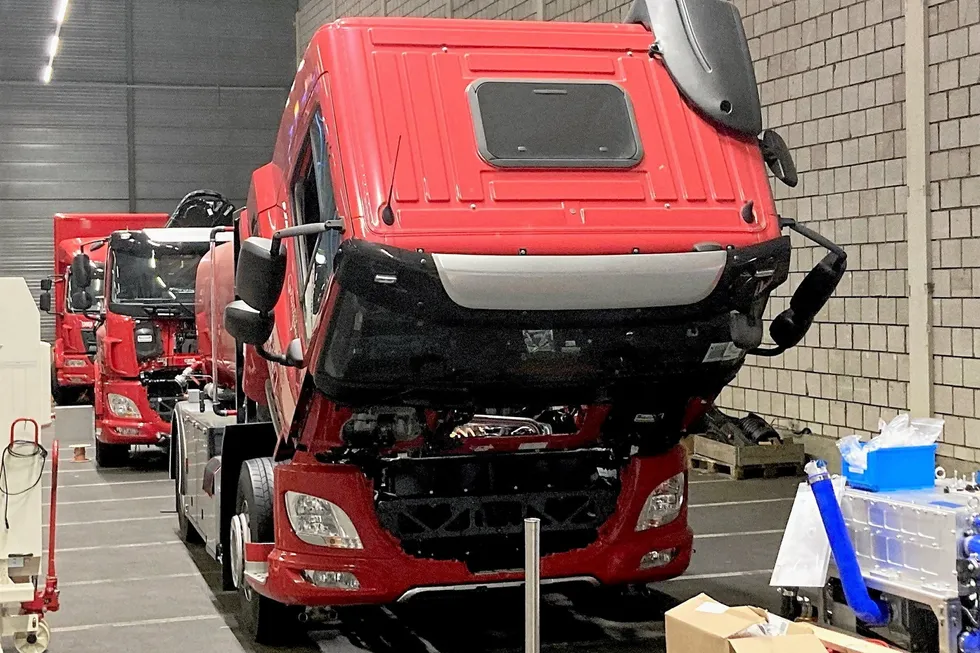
[[871, 611]]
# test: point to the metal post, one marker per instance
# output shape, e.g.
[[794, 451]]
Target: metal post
[[532, 585]]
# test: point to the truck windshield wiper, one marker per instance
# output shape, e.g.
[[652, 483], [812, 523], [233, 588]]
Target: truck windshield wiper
[[169, 308]]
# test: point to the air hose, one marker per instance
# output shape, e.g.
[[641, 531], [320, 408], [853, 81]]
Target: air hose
[[871, 611], [19, 449]]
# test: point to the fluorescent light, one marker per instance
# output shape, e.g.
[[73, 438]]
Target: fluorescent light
[[46, 73], [60, 10], [53, 42]]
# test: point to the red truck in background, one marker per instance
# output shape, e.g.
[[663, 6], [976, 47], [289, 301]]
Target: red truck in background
[[145, 339], [492, 272], [73, 372]]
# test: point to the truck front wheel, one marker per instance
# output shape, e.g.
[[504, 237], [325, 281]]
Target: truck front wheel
[[111, 455], [268, 622]]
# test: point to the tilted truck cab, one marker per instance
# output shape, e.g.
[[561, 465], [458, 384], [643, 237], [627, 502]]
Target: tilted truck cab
[[493, 271], [73, 373]]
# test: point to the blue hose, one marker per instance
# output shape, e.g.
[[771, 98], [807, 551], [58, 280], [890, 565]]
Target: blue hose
[[870, 611], [970, 642]]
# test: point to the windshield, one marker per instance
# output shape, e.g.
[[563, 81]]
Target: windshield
[[156, 276], [96, 289], [374, 351]]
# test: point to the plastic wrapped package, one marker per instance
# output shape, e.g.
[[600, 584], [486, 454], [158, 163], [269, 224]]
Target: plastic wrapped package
[[902, 431]]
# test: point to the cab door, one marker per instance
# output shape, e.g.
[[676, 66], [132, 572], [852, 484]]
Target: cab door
[[312, 196]]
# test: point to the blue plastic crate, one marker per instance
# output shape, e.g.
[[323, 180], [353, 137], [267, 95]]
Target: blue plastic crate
[[896, 468]]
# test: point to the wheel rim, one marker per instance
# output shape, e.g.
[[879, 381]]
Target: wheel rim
[[179, 481], [239, 538], [42, 637]]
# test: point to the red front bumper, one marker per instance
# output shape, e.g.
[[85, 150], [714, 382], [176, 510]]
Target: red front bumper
[[385, 573], [149, 428], [74, 370]]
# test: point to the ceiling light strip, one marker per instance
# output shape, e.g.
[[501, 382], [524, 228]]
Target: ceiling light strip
[[54, 41]]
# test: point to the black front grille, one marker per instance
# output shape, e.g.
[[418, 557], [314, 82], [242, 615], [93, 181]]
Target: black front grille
[[162, 391], [472, 508], [88, 341]]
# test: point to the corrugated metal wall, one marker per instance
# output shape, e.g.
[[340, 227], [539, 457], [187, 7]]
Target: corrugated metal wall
[[149, 101]]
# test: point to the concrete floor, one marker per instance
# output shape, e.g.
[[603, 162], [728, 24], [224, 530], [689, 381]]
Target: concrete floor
[[129, 584]]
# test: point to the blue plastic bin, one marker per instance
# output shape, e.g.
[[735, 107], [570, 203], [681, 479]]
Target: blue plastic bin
[[896, 468]]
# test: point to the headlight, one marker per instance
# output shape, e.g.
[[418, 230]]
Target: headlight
[[122, 406], [319, 522], [75, 362], [663, 505]]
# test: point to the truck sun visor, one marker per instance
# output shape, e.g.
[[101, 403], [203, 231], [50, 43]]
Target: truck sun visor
[[579, 282], [704, 48]]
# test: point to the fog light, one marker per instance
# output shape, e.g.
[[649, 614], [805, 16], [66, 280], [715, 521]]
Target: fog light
[[74, 362], [663, 505], [656, 559], [338, 580], [127, 431]]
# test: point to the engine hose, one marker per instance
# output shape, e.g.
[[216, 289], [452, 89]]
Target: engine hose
[[970, 641], [871, 611]]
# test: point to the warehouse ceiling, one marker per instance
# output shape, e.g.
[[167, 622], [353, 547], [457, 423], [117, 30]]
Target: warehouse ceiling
[[147, 101]]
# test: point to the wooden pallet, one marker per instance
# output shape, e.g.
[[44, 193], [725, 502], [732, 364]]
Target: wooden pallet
[[758, 461]]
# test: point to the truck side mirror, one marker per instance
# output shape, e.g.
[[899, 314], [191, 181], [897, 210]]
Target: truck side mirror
[[789, 327], [46, 285], [82, 300], [44, 302], [81, 270], [260, 274], [777, 156], [248, 325]]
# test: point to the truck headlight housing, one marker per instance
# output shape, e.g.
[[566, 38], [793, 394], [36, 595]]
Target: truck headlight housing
[[123, 406], [75, 362], [321, 523], [663, 505]]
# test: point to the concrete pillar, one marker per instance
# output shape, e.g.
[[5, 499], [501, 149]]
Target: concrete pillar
[[918, 215]]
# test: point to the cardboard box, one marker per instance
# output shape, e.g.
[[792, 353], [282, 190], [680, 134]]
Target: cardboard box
[[842, 643], [702, 625]]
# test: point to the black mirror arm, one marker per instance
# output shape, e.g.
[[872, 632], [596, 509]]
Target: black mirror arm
[[217, 230], [304, 230], [810, 234], [279, 358]]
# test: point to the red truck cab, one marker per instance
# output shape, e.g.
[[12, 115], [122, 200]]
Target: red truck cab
[[73, 374], [147, 341], [492, 272]]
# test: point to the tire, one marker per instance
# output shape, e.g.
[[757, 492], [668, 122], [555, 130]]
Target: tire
[[69, 395], [55, 388], [185, 529], [266, 621], [111, 455]]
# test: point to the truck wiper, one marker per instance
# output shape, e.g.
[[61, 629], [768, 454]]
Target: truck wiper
[[159, 311]]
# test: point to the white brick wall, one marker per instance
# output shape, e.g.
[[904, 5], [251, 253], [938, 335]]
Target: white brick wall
[[831, 80], [954, 86]]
